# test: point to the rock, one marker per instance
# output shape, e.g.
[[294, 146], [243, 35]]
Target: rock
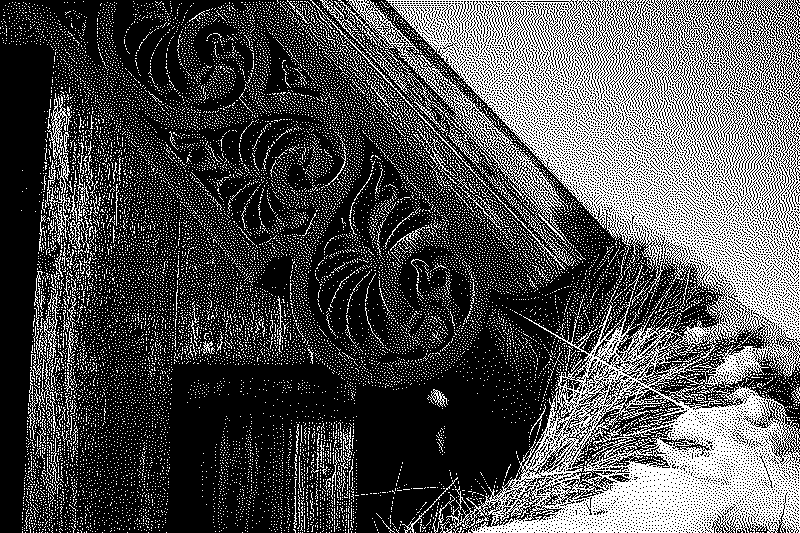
[[437, 398]]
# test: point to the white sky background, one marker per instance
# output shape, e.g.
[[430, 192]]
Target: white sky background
[[685, 120]]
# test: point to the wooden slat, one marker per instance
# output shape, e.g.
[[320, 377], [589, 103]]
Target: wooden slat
[[325, 481]]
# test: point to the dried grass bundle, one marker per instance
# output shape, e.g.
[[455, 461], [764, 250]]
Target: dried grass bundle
[[599, 422], [624, 371]]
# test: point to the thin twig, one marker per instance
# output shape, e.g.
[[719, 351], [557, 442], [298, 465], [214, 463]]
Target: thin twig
[[417, 519], [396, 484], [594, 357], [393, 491]]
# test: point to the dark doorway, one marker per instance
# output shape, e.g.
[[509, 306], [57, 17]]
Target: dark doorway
[[27, 77], [234, 433]]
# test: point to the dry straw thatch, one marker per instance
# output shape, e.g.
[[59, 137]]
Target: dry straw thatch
[[624, 370]]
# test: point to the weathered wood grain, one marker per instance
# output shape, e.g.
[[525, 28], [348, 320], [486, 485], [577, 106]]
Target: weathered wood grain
[[97, 441], [129, 284], [325, 481], [221, 318]]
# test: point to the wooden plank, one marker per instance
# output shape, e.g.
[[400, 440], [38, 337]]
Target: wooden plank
[[97, 432], [325, 481], [249, 475]]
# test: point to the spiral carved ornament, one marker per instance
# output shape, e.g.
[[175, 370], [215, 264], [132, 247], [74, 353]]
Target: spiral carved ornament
[[373, 282]]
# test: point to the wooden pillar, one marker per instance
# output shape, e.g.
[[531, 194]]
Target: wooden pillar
[[104, 332]]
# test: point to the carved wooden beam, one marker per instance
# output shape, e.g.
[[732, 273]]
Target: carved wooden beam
[[339, 163]]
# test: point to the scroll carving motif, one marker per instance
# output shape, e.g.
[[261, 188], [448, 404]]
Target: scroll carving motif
[[185, 56], [263, 173], [295, 78], [385, 285], [75, 21], [365, 262]]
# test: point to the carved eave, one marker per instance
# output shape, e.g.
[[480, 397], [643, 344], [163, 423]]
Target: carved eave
[[337, 162]]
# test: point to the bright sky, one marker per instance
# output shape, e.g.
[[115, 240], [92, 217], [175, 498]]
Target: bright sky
[[685, 120]]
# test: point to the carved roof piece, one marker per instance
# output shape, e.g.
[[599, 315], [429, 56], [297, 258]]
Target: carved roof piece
[[338, 161]]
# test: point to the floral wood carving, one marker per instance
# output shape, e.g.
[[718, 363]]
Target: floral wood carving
[[185, 55], [200, 58], [263, 172], [386, 286]]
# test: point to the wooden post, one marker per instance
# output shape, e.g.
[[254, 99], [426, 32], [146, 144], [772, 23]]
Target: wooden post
[[97, 435], [325, 478]]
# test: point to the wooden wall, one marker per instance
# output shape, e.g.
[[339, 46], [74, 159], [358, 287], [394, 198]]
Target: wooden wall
[[127, 285]]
